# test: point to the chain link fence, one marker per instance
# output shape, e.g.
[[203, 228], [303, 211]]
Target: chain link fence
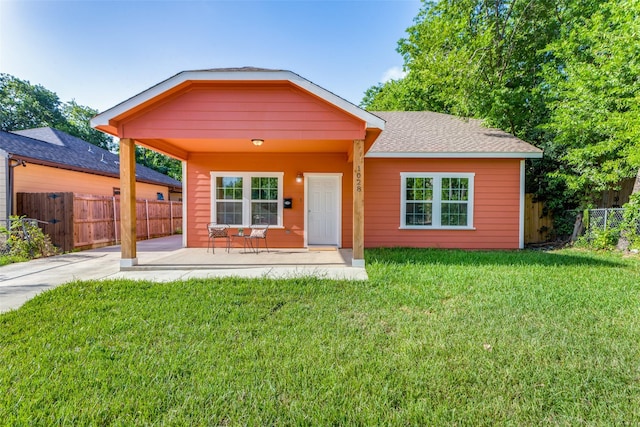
[[601, 220]]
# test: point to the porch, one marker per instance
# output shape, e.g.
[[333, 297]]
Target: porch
[[259, 147], [164, 259]]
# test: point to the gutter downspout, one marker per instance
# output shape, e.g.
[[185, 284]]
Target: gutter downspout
[[10, 179]]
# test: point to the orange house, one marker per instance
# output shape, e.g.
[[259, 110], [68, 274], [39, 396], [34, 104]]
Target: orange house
[[270, 147]]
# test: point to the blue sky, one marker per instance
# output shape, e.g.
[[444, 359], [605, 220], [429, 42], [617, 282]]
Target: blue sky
[[103, 52]]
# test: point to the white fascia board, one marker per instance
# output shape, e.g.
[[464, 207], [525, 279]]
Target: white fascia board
[[103, 118], [443, 155], [372, 120]]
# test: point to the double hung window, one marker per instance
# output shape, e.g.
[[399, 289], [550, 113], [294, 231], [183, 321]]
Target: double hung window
[[436, 200], [247, 198]]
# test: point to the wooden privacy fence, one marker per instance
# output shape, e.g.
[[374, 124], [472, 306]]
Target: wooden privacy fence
[[78, 221], [537, 225]]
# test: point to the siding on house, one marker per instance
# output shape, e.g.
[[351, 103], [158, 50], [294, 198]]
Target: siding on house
[[3, 187], [496, 204], [39, 179], [229, 111], [292, 236]]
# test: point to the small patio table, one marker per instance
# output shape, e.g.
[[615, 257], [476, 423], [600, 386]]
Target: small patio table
[[245, 238]]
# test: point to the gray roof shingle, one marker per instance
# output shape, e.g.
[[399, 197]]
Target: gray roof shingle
[[429, 134], [52, 146]]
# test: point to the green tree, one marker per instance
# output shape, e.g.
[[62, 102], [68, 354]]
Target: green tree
[[159, 162], [595, 98], [477, 58], [562, 75], [77, 124], [26, 106]]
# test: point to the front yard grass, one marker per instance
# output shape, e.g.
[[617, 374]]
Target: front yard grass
[[435, 337]]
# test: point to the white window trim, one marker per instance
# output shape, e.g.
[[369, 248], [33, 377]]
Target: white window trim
[[246, 194], [437, 202]]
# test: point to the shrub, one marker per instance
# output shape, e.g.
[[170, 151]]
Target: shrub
[[25, 240], [599, 235], [631, 221]]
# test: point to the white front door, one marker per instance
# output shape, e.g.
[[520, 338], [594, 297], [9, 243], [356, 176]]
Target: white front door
[[323, 210]]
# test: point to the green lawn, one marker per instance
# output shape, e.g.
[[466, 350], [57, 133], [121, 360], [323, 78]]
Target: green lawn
[[435, 337]]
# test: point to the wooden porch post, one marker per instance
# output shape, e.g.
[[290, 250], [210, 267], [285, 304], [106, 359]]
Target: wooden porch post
[[358, 203], [128, 202]]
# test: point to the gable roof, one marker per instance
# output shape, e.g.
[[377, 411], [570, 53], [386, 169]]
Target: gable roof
[[246, 74], [52, 147], [425, 134]]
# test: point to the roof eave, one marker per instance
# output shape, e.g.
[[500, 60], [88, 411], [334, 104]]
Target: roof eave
[[454, 155], [52, 164]]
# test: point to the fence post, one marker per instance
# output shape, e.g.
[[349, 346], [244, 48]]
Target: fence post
[[115, 222], [606, 211], [171, 217], [146, 207]]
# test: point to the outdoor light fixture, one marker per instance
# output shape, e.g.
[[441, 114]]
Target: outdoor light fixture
[[299, 177], [257, 142]]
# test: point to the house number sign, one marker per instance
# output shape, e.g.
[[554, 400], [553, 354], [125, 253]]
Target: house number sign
[[358, 179]]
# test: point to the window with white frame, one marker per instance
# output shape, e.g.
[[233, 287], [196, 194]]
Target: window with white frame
[[436, 200], [246, 198]]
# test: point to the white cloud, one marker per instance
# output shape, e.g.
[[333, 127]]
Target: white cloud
[[393, 73]]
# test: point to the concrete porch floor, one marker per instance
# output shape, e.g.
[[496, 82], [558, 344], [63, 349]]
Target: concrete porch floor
[[164, 259]]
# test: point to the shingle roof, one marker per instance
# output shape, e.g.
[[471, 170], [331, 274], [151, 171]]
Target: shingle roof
[[52, 146], [428, 134]]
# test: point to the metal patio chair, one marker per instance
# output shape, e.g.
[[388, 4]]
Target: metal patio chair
[[258, 233], [218, 231]]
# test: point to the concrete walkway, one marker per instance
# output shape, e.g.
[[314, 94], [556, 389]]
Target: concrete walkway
[[165, 260]]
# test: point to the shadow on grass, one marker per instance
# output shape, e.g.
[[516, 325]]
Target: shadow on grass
[[493, 257]]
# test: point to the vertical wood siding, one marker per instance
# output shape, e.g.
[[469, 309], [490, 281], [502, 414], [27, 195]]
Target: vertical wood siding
[[78, 221], [496, 204], [292, 236], [537, 224]]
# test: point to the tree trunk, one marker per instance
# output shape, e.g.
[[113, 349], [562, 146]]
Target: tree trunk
[[578, 228], [636, 186]]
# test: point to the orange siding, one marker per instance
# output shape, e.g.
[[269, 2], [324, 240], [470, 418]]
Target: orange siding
[[236, 111], [42, 179], [292, 236], [496, 204]]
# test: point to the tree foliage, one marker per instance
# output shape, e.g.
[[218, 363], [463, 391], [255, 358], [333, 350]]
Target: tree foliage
[[27, 106], [560, 74], [594, 97], [77, 124], [159, 162]]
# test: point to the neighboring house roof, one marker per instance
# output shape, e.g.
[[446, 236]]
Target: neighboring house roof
[[52, 147], [246, 74], [424, 134]]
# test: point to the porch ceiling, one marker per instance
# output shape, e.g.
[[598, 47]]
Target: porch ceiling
[[180, 147]]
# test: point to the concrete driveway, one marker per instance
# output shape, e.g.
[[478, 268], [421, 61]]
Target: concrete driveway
[[164, 260]]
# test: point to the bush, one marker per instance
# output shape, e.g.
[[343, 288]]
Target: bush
[[598, 234], [600, 238], [631, 221], [24, 240], [623, 234]]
